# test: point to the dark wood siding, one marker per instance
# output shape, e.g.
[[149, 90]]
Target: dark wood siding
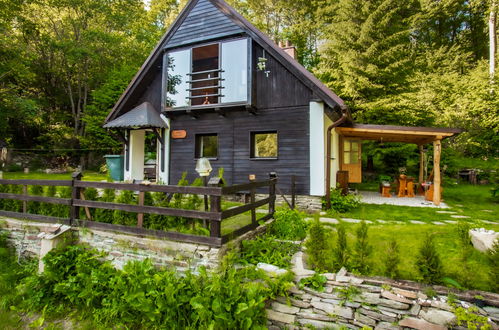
[[281, 88], [234, 145], [153, 92], [204, 22]]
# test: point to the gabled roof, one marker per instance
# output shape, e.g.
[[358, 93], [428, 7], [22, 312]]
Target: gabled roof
[[143, 115], [320, 91]]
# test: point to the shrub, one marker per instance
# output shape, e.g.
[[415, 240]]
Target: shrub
[[122, 217], [35, 207], [391, 259], [11, 204], [428, 262], [47, 208], [341, 203], [141, 296], [91, 194], [340, 252], [317, 246], [362, 249], [316, 282], [288, 224], [59, 210], [267, 250], [102, 215], [493, 256]]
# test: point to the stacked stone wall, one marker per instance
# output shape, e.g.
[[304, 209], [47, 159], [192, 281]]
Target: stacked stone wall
[[350, 302]]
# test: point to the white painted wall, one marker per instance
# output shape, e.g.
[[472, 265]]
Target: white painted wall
[[136, 170], [163, 176], [335, 156], [317, 149]]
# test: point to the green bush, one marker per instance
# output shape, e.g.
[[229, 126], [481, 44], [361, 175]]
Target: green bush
[[316, 282], [362, 250], [122, 217], [391, 259], [47, 208], [341, 203], [142, 296], [340, 251], [35, 207], [102, 215], [91, 194], [428, 262], [493, 256], [318, 250], [267, 250], [289, 225]]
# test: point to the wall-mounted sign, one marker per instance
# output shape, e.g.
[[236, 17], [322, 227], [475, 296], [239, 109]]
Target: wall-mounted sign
[[179, 134]]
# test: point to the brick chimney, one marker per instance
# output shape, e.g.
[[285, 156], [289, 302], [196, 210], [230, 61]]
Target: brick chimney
[[289, 49]]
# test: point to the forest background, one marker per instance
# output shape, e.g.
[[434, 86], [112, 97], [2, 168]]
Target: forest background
[[64, 63]]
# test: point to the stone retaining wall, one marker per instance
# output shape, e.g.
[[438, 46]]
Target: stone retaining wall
[[121, 248], [372, 305]]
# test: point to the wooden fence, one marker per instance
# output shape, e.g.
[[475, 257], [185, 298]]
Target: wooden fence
[[214, 216]]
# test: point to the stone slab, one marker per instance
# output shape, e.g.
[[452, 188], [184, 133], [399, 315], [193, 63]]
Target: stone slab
[[483, 240], [271, 270], [392, 296], [331, 309], [280, 317], [411, 322], [438, 316], [278, 307], [329, 220], [294, 302], [459, 216], [405, 293], [417, 222], [350, 220], [386, 326], [364, 319]]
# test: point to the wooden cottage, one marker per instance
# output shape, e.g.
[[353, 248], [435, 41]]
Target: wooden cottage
[[217, 87]]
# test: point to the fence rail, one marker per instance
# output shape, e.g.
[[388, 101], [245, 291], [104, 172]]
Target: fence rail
[[214, 216]]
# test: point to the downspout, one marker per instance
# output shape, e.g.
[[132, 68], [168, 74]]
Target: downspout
[[338, 122]]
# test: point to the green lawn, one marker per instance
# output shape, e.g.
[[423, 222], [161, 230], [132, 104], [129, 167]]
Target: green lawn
[[467, 200], [472, 274], [87, 176], [475, 202]]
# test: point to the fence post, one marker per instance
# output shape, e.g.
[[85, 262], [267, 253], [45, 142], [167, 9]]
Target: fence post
[[293, 191], [74, 211], [215, 206], [25, 203], [273, 179], [140, 216], [252, 201]]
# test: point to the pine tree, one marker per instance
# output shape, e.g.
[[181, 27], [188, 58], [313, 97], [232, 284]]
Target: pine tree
[[428, 261], [362, 249]]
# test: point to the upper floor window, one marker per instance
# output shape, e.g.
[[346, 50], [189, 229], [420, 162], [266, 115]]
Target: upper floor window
[[209, 74]]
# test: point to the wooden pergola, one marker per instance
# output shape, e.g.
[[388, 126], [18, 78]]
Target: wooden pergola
[[407, 134]]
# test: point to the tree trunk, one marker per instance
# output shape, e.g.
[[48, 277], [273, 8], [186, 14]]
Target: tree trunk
[[492, 40]]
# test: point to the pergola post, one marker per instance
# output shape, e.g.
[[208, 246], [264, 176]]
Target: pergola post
[[437, 149], [421, 163]]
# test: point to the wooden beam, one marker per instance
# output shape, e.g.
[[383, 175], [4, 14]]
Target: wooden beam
[[389, 131], [437, 149], [421, 163]]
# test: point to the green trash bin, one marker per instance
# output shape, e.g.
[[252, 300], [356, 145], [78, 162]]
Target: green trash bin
[[115, 166]]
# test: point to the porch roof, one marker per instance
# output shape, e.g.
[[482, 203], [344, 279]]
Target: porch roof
[[142, 116], [390, 133]]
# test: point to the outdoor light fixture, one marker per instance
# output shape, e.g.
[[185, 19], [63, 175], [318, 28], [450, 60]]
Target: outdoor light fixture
[[203, 167]]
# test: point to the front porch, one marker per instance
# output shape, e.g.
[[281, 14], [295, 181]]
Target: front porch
[[350, 160], [373, 197]]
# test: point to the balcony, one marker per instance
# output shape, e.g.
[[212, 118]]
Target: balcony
[[209, 76]]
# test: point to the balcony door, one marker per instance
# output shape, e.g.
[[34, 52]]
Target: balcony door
[[211, 74]]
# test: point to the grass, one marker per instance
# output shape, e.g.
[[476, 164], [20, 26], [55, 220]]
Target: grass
[[468, 200], [409, 238], [87, 176], [474, 201]]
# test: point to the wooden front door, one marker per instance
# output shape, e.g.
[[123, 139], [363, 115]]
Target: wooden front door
[[351, 159]]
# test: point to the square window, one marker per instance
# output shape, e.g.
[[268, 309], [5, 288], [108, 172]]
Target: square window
[[264, 145], [206, 145]]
